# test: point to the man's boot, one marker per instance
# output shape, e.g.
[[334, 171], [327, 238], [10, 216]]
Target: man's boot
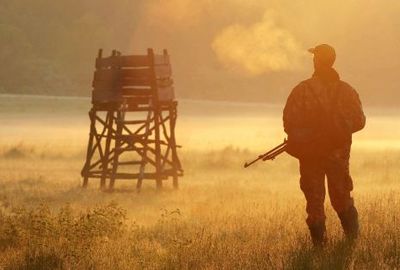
[[349, 220], [317, 232]]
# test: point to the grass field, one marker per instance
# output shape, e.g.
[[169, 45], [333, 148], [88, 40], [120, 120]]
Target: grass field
[[222, 217]]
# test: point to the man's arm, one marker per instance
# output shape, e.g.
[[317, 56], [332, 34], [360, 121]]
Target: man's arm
[[292, 110], [354, 114]]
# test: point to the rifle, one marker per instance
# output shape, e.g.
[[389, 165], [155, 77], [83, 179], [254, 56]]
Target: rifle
[[270, 155]]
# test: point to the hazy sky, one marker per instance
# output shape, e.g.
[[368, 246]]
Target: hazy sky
[[232, 46], [253, 50]]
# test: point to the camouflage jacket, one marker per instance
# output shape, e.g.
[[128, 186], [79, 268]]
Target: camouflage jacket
[[330, 109]]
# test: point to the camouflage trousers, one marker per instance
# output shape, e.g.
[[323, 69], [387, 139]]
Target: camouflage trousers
[[312, 182]]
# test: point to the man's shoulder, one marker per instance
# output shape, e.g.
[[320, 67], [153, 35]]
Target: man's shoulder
[[301, 89], [347, 89], [301, 85], [345, 85], [306, 82], [312, 82]]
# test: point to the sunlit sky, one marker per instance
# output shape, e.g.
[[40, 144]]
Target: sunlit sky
[[234, 45]]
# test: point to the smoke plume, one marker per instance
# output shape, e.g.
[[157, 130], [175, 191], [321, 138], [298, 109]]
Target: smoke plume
[[258, 48]]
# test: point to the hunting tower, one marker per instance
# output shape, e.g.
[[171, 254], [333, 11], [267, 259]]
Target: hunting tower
[[132, 121]]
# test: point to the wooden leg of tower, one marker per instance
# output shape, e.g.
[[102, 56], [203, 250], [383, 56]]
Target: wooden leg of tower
[[109, 124], [143, 152], [141, 170], [175, 160], [157, 148], [85, 170], [141, 173], [85, 182], [117, 150]]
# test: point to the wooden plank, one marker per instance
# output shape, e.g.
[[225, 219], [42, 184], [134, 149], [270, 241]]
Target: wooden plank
[[134, 107], [123, 61], [118, 74], [128, 176], [104, 102], [131, 61], [134, 122], [139, 100], [137, 91], [131, 87], [130, 163], [128, 84], [138, 82], [105, 96], [135, 72], [130, 137], [132, 176], [105, 75], [110, 78], [104, 85]]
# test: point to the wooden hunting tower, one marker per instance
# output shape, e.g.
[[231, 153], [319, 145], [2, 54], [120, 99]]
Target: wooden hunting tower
[[132, 121]]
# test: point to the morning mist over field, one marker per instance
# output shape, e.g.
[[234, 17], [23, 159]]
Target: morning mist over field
[[117, 163], [220, 49]]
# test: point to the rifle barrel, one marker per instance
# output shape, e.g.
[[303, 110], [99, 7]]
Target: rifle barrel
[[271, 154], [251, 163]]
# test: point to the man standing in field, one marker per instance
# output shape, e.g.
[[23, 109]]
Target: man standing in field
[[320, 116]]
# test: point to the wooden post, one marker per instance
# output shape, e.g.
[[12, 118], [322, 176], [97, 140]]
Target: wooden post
[[144, 152], [92, 131], [156, 108], [158, 148], [175, 160], [117, 149], [106, 157]]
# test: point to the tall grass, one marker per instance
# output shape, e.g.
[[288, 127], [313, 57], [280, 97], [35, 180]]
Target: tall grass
[[102, 238], [223, 217]]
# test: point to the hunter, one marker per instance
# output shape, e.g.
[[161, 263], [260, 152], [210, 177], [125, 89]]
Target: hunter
[[320, 116]]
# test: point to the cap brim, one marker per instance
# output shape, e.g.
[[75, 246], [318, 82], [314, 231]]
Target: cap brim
[[311, 50]]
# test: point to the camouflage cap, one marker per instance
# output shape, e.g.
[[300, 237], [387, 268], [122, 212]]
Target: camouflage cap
[[325, 53]]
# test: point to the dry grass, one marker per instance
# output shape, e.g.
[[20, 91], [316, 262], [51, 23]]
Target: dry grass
[[223, 217]]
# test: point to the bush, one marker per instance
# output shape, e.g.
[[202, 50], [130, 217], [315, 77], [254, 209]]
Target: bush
[[47, 240]]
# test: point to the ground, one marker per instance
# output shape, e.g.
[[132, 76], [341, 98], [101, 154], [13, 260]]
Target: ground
[[222, 217]]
